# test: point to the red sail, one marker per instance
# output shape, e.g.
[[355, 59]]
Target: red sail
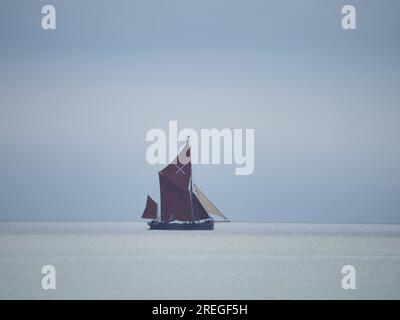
[[198, 210], [150, 212], [179, 171], [175, 201], [174, 188]]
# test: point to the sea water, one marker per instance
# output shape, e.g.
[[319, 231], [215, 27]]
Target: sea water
[[124, 260]]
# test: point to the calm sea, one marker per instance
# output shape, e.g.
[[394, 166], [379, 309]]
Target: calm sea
[[124, 260]]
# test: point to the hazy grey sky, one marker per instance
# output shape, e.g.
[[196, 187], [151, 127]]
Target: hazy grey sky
[[76, 103]]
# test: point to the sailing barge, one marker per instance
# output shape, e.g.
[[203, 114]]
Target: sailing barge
[[183, 205]]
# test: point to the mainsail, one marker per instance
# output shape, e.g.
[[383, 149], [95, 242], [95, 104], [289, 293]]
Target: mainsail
[[150, 212], [176, 200], [209, 207]]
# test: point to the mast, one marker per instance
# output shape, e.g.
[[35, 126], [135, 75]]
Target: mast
[[159, 214], [191, 185]]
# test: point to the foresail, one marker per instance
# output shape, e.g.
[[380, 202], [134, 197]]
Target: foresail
[[207, 204]]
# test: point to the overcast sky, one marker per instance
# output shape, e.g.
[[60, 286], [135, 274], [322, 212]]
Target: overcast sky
[[76, 104]]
